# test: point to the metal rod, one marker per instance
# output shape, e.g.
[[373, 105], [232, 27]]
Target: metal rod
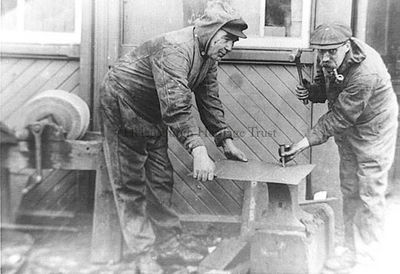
[[281, 151], [37, 130]]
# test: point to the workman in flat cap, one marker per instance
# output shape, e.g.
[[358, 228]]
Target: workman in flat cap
[[147, 91], [362, 118]]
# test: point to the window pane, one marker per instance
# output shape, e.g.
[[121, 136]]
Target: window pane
[[144, 19], [8, 14], [283, 18], [251, 13], [276, 19], [49, 15]]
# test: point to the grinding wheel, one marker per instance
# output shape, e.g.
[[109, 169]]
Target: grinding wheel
[[67, 110]]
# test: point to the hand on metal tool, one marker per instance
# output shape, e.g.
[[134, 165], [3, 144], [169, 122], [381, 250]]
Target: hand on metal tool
[[203, 166], [232, 152], [290, 153], [302, 92]]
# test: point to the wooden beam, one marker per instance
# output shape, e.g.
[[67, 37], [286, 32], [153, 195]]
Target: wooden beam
[[101, 54], [67, 155], [5, 207], [40, 51], [86, 54], [210, 218], [46, 213], [255, 56], [106, 45], [266, 56], [106, 235], [38, 227], [249, 208]]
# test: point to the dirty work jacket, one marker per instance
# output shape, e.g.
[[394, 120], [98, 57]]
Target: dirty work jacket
[[365, 96], [159, 78]]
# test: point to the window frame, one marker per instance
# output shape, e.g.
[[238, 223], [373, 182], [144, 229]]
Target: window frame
[[274, 42], [42, 43]]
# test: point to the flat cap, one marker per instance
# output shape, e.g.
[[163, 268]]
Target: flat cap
[[235, 27], [330, 36]]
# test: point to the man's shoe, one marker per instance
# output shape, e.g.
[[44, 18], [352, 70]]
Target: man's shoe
[[193, 243], [342, 262], [173, 251], [147, 264]]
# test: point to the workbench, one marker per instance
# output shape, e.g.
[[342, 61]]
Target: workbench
[[84, 154]]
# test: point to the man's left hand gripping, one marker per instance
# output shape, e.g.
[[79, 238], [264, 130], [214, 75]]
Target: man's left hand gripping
[[232, 152]]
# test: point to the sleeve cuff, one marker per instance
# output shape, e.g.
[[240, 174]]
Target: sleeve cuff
[[314, 139], [221, 135], [193, 142]]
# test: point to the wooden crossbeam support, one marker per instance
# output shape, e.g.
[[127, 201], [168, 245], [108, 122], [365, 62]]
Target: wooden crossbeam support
[[106, 233], [67, 155]]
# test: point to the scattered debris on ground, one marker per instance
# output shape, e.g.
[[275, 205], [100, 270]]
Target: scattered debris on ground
[[69, 253]]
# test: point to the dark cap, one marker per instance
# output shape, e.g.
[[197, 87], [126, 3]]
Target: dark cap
[[236, 28], [330, 36]]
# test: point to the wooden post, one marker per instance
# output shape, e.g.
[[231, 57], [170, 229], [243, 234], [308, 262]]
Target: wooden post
[[86, 54], [107, 38], [5, 195], [249, 208], [106, 235]]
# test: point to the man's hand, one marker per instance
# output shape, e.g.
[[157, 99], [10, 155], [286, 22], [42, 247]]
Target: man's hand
[[232, 152], [203, 166], [295, 149], [302, 92]]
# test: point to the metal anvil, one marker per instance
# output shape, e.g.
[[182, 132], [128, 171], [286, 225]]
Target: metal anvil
[[274, 236]]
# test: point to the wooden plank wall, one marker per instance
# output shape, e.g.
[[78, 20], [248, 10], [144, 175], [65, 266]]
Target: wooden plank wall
[[260, 107], [21, 79], [263, 112], [24, 78]]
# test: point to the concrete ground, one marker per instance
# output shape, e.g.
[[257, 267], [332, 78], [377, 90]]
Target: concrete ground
[[389, 262], [69, 253]]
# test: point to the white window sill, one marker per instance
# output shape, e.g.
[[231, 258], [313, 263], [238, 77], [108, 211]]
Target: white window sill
[[58, 51], [259, 56]]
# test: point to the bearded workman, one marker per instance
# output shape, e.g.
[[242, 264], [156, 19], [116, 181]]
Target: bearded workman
[[362, 118]]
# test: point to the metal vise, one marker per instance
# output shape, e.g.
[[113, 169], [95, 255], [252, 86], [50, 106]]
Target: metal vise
[[53, 115]]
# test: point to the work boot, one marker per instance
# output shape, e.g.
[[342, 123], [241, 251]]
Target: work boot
[[342, 262], [147, 264], [173, 251], [193, 243]]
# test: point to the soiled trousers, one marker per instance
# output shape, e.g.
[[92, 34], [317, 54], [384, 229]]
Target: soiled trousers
[[366, 154], [140, 172]]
